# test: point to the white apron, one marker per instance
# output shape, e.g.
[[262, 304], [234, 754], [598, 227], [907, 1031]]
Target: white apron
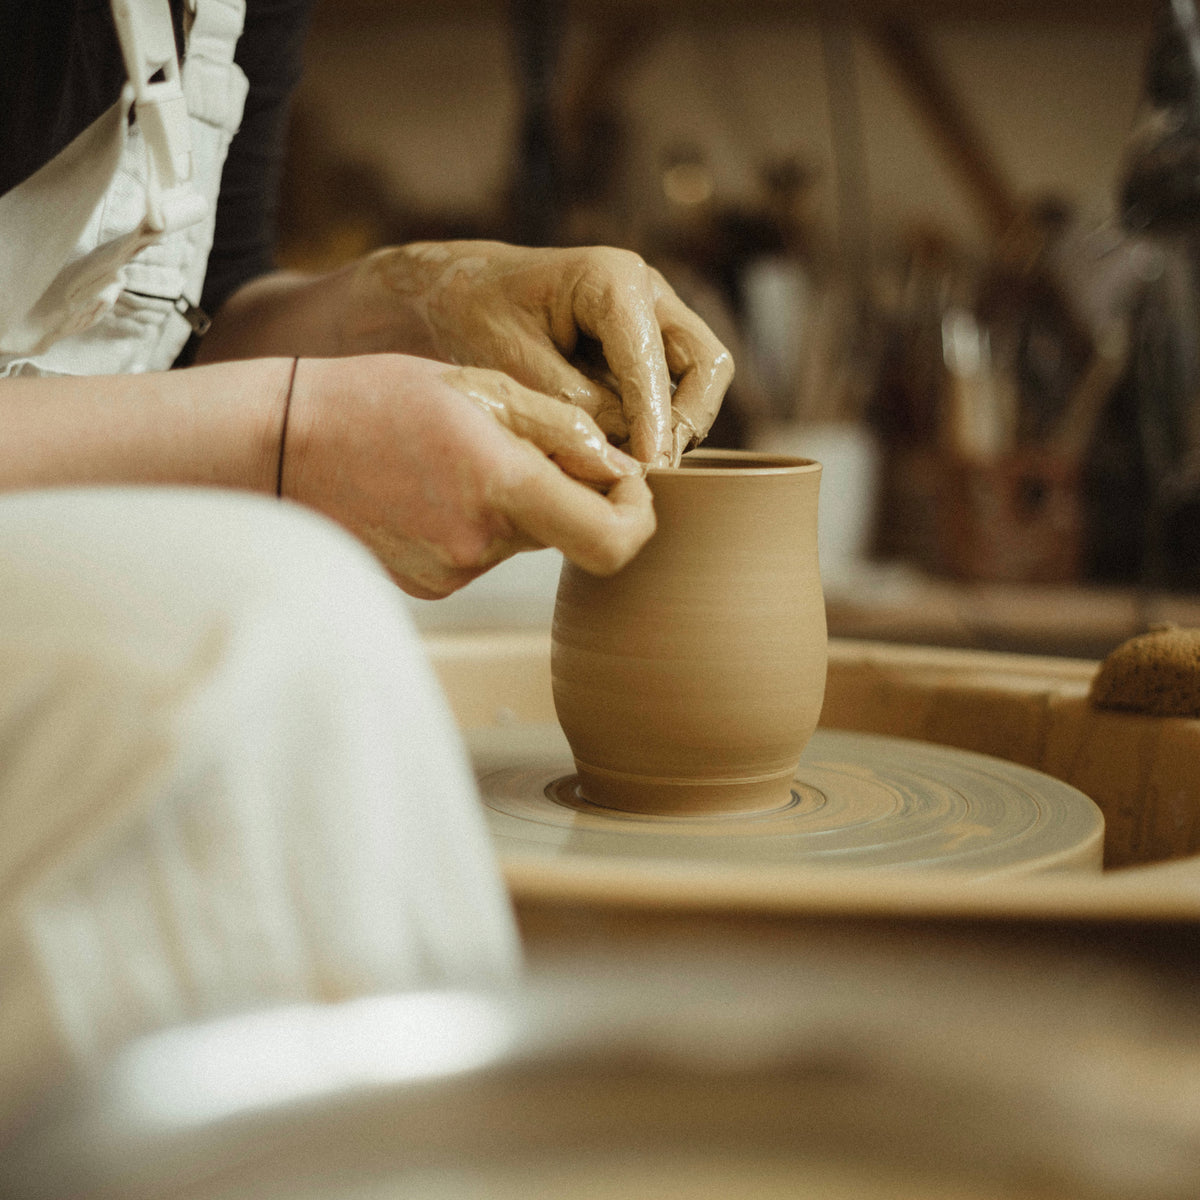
[[103, 250]]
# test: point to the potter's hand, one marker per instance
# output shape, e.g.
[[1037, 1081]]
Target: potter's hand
[[535, 314], [444, 472]]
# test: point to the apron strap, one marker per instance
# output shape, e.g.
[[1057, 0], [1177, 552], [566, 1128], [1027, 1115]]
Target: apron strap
[[147, 39], [215, 93]]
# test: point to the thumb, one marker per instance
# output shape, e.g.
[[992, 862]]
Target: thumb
[[560, 430]]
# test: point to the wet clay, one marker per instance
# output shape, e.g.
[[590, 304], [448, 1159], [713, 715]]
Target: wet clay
[[691, 680], [562, 431]]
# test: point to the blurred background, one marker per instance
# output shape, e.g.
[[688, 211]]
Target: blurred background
[[950, 244]]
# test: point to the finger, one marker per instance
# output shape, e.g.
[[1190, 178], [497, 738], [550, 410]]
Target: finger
[[612, 423], [562, 430], [613, 301], [598, 533], [702, 366], [539, 365], [698, 396]]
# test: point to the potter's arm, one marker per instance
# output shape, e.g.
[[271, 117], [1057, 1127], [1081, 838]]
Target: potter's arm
[[404, 452]]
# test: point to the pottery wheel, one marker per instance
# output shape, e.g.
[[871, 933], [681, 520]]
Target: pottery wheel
[[858, 800]]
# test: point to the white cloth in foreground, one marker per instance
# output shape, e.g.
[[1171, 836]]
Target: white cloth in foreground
[[228, 777]]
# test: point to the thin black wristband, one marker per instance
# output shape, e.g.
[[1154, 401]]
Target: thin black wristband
[[287, 408]]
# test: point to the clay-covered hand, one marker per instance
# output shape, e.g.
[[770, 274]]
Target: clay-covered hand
[[444, 472], [594, 326]]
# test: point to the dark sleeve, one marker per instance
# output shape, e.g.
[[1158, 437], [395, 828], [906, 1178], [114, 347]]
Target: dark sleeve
[[60, 68], [270, 52]]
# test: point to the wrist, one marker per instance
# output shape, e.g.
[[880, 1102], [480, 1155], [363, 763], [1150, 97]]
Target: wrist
[[215, 425], [236, 433], [283, 426], [309, 421]]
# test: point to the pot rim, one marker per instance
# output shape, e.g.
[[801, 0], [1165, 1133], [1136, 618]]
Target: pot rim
[[736, 462]]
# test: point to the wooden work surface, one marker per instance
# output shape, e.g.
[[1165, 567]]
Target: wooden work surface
[[1022, 618]]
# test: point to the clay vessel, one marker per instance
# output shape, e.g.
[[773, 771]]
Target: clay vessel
[[691, 681]]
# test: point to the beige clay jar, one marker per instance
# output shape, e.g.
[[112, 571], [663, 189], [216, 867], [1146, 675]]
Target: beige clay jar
[[691, 681]]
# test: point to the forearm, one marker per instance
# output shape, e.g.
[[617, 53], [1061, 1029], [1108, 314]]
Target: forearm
[[216, 425], [372, 305]]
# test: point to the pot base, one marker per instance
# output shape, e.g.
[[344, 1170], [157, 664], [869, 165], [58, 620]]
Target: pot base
[[685, 797]]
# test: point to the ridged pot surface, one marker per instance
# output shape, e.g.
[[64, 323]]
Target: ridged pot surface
[[692, 680]]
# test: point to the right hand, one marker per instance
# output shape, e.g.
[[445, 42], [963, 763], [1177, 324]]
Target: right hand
[[444, 472], [526, 311]]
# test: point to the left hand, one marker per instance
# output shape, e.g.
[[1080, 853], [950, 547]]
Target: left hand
[[530, 313], [444, 472]]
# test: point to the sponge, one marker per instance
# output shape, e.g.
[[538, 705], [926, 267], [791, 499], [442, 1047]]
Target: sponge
[[1156, 673]]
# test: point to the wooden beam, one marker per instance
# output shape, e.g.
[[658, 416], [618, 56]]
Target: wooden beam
[[914, 65], [1119, 13]]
